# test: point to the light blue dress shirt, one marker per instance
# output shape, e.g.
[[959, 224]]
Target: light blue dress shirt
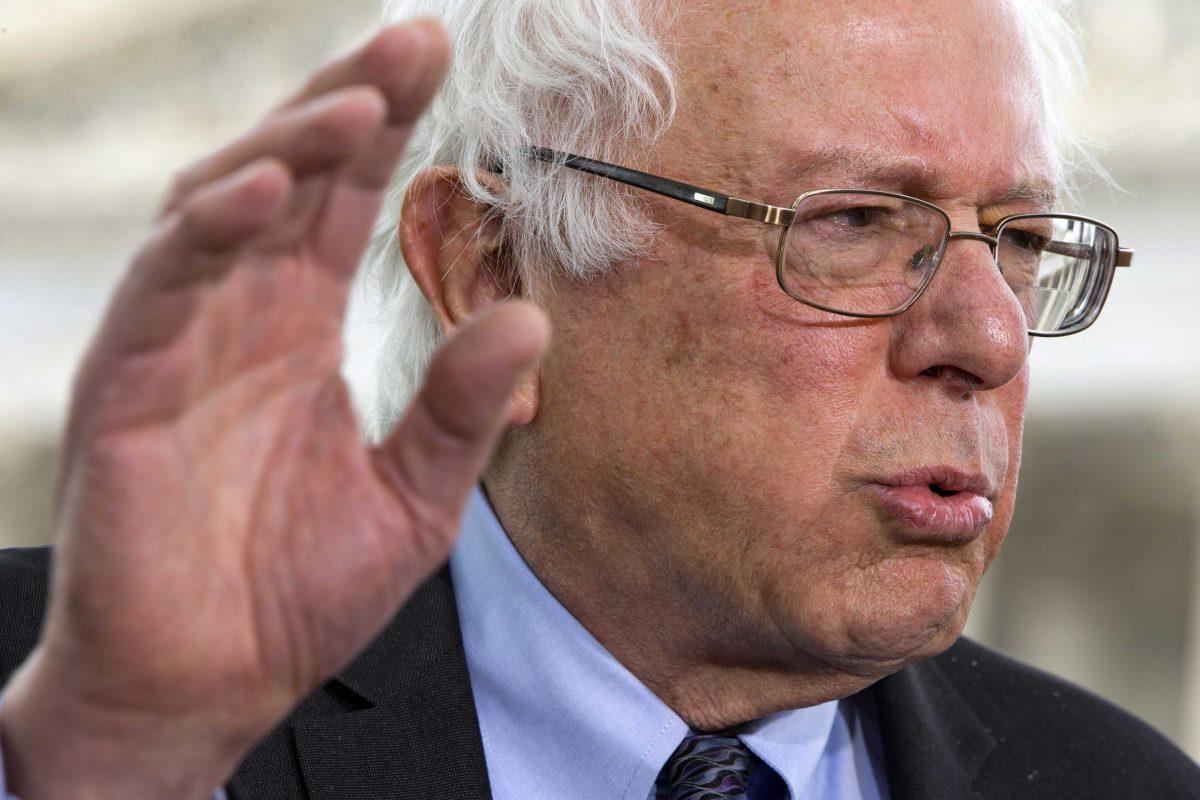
[[560, 717]]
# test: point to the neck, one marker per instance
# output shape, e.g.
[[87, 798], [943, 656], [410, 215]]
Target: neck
[[712, 666]]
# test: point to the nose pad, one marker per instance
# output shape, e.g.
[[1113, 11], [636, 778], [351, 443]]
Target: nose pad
[[920, 265]]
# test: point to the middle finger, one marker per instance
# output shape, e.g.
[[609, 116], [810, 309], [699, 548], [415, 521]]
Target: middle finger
[[308, 138], [392, 60]]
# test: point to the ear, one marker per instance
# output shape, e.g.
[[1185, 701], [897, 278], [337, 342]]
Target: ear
[[454, 250]]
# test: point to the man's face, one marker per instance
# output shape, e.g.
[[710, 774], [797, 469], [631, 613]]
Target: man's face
[[726, 447]]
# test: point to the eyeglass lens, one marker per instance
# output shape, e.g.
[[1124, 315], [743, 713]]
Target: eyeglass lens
[[1058, 267], [860, 253], [870, 254]]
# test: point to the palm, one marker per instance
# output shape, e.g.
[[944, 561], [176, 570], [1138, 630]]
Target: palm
[[224, 533], [257, 489]]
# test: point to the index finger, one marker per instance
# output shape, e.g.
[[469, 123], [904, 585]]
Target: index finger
[[395, 60]]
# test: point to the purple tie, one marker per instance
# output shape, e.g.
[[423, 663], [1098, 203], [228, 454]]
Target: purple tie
[[705, 767]]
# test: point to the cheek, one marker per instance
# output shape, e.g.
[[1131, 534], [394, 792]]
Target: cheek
[[798, 395], [729, 340], [806, 380], [734, 394], [1011, 400], [810, 358]]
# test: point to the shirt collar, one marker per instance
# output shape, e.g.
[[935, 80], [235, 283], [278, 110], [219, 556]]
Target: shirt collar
[[556, 710]]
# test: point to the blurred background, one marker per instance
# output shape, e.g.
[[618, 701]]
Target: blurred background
[[101, 100]]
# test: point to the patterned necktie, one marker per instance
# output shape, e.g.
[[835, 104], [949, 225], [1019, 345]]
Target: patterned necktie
[[705, 767]]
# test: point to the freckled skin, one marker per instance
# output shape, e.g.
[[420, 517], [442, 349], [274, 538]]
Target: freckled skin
[[693, 485]]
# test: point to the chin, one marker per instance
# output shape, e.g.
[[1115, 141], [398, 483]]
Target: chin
[[898, 611]]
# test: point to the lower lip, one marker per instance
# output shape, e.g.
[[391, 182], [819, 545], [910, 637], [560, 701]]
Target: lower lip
[[963, 515]]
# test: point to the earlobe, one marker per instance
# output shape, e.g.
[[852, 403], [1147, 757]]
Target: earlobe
[[525, 399], [453, 248]]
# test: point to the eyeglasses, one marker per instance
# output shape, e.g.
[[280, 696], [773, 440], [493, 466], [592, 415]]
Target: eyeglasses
[[862, 253]]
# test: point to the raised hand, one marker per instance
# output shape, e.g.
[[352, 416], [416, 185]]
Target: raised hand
[[225, 540]]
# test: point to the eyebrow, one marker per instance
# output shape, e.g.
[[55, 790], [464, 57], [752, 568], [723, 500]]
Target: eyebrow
[[911, 174], [1039, 193]]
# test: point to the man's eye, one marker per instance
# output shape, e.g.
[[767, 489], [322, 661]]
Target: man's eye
[[856, 217], [1026, 240]]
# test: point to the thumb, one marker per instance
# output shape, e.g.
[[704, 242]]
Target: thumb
[[433, 458]]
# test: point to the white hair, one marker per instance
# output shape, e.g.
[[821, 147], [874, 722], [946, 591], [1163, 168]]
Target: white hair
[[581, 76], [589, 77], [1055, 42]]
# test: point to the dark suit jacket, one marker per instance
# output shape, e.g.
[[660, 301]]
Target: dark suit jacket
[[400, 722]]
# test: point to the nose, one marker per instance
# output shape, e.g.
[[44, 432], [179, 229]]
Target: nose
[[967, 331]]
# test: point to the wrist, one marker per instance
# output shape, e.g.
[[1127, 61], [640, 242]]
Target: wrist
[[60, 743]]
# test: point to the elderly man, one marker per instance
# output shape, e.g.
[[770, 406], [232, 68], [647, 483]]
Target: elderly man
[[738, 510]]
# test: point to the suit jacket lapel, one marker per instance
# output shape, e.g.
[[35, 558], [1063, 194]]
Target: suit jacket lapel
[[934, 743], [408, 730]]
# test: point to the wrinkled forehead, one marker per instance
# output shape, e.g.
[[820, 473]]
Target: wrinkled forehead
[[941, 96]]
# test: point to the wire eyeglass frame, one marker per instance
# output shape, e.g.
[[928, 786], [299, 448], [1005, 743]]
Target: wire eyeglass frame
[[784, 216]]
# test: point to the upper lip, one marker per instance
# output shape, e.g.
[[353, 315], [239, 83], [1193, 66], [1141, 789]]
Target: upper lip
[[945, 476]]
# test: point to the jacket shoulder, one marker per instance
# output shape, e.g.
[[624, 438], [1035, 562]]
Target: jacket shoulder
[[1056, 736], [24, 590]]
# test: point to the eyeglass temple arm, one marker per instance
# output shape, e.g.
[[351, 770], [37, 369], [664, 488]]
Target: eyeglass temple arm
[[693, 195], [1075, 250]]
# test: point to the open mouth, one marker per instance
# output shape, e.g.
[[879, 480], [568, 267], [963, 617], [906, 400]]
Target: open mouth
[[936, 503], [932, 510]]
